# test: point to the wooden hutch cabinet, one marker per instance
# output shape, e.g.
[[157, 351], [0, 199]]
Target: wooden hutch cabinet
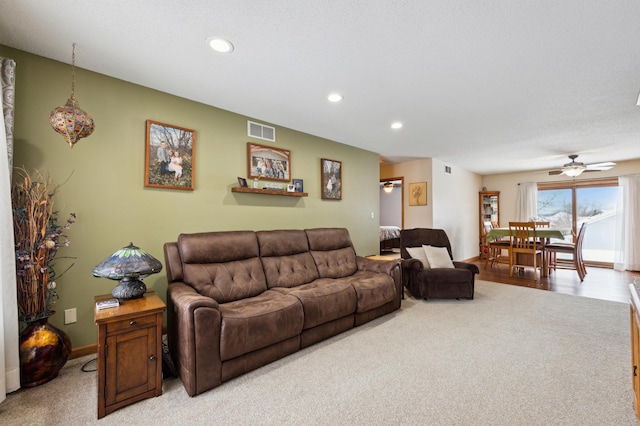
[[489, 211], [129, 352]]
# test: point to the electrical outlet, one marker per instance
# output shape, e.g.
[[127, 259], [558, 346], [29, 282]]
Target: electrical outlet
[[373, 215], [70, 316]]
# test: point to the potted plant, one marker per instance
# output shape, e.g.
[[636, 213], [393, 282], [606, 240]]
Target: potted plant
[[38, 236]]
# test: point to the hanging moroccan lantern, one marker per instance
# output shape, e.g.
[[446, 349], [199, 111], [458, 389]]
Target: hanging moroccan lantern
[[70, 120]]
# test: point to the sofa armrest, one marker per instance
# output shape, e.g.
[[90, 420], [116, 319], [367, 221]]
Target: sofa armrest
[[389, 267], [470, 266], [377, 265], [193, 328], [412, 264]]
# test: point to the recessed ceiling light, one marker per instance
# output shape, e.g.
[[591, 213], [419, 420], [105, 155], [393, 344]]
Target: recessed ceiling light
[[220, 45], [335, 97], [396, 125]]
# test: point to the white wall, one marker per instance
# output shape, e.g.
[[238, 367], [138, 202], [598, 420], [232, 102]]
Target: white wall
[[455, 207], [413, 171], [452, 201]]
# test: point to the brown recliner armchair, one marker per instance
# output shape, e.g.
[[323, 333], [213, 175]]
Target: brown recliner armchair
[[446, 283]]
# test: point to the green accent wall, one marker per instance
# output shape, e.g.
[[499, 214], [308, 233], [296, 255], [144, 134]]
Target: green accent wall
[[104, 176]]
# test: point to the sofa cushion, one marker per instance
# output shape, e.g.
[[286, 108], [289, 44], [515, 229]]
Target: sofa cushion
[[332, 252], [328, 238], [324, 300], [217, 247], [372, 289], [222, 265], [438, 257], [286, 258], [282, 242], [257, 322], [226, 282], [289, 271], [419, 253], [335, 263]]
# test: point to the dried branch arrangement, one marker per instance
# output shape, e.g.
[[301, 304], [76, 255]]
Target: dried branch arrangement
[[38, 236]]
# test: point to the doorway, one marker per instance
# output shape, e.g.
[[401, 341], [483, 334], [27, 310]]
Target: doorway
[[392, 202], [391, 214], [569, 204]]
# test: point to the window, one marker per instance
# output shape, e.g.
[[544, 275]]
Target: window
[[566, 205]]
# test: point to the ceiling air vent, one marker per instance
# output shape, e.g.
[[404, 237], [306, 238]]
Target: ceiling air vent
[[261, 131]]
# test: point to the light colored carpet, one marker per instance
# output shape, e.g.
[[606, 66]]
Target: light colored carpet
[[512, 356]]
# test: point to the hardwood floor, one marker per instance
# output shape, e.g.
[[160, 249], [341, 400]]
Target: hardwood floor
[[599, 283]]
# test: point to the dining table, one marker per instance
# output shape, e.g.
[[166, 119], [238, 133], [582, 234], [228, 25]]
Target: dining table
[[544, 234]]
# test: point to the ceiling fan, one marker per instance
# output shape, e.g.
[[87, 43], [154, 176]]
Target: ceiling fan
[[575, 168]]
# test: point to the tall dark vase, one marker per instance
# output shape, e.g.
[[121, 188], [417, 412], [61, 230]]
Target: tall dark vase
[[44, 350]]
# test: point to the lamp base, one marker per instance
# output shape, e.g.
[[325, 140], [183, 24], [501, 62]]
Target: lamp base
[[129, 289]]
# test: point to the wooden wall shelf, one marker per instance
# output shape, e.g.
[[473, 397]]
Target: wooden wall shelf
[[268, 192]]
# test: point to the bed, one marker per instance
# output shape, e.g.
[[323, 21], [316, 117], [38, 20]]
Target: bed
[[389, 238]]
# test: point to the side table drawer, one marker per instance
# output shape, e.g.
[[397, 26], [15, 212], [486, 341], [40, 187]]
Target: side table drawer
[[130, 324]]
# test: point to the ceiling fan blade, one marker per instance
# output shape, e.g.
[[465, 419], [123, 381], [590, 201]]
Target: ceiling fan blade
[[601, 166], [597, 167]]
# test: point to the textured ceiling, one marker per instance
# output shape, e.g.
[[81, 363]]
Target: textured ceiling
[[490, 86]]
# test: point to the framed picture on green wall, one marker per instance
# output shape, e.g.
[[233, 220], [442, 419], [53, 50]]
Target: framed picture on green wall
[[169, 156], [268, 162], [331, 179]]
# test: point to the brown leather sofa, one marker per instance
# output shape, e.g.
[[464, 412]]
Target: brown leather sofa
[[238, 300]]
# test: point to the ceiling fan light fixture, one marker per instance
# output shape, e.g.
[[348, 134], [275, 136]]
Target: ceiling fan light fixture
[[573, 171]]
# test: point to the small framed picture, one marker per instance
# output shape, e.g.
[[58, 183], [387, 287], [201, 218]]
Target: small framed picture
[[418, 194], [268, 162], [291, 188], [169, 156], [331, 173], [242, 182], [298, 185]]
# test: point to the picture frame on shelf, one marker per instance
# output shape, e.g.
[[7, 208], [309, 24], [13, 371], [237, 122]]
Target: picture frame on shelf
[[331, 178], [169, 156], [418, 194], [298, 185], [268, 162], [242, 182]]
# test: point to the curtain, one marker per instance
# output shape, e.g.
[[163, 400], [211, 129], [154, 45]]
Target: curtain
[[627, 250], [7, 76], [9, 355], [527, 202]]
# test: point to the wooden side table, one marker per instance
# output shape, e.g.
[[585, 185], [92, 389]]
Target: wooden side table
[[129, 352]]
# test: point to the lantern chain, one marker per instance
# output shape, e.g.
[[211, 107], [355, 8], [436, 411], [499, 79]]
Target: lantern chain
[[73, 71]]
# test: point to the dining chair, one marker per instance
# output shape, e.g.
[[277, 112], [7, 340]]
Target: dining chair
[[485, 252], [573, 249], [526, 250], [544, 241], [495, 248]]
